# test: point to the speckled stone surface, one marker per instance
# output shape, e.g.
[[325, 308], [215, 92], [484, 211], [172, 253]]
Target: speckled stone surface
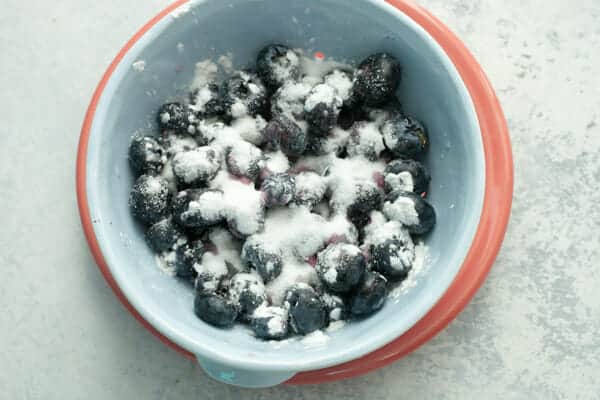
[[532, 331]]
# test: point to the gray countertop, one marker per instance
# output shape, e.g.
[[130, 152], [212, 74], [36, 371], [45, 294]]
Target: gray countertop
[[531, 331]]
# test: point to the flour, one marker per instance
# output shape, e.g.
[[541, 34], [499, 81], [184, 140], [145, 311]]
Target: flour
[[139, 65]]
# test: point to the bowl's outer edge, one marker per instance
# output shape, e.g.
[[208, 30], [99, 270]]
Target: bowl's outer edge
[[487, 240]]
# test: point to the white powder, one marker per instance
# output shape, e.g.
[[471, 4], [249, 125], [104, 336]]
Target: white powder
[[228, 246], [226, 62], [167, 175], [165, 262], [205, 73], [139, 65], [401, 181], [250, 129], [201, 98], [419, 267], [283, 67], [238, 109], [322, 94], [341, 82], [277, 316], [209, 206], [402, 210], [336, 325], [366, 139], [387, 130], [277, 162], [292, 272], [180, 47], [193, 164], [315, 339], [345, 174]]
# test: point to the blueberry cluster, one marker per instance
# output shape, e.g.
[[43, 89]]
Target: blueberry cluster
[[331, 146]]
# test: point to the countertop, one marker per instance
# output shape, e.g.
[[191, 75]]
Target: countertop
[[531, 331]]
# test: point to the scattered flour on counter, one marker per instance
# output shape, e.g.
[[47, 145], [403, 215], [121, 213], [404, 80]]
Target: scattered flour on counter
[[139, 65]]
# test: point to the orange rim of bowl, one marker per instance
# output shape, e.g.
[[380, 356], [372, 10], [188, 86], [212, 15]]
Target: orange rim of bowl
[[484, 248]]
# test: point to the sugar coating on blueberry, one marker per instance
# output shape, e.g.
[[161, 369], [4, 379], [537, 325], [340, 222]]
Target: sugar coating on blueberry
[[187, 255], [365, 140], [410, 209], [248, 291], [278, 189], [162, 235], [407, 175], [322, 107], [244, 159], [391, 250], [289, 100], [174, 116], [149, 198], [146, 155], [198, 208], [335, 305], [270, 322], [277, 64], [376, 79], [285, 132], [341, 81], [309, 188], [340, 266], [206, 101], [244, 94], [265, 260], [196, 167], [306, 310], [404, 136]]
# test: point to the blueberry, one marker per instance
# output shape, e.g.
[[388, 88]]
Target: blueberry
[[162, 235], [407, 175], [276, 64], [307, 312], [322, 107], [244, 94], [290, 137], [186, 256], [215, 309], [365, 140], [174, 117], [349, 115], [267, 263], [376, 79], [340, 267], [289, 100], [368, 198], [198, 208], [405, 136], [335, 306], [270, 322], [146, 155], [176, 143], [196, 167], [248, 291], [149, 198], [370, 295], [206, 101], [392, 251], [244, 159], [278, 189], [310, 188], [410, 209]]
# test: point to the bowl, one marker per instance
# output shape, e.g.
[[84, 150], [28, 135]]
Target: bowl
[[469, 159]]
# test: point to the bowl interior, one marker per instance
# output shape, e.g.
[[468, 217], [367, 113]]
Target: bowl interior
[[344, 30]]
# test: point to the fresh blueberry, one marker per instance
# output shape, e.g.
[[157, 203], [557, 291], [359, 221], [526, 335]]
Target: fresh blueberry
[[368, 198], [196, 167], [215, 309], [310, 188], [244, 94], [206, 101], [146, 155], [186, 256], [407, 175], [349, 115], [340, 267], [307, 312], [245, 160], [267, 263], [149, 198], [291, 138], [370, 295], [270, 322], [410, 209], [405, 136], [162, 235], [335, 306], [276, 64], [248, 291], [322, 107], [198, 208], [278, 189], [174, 117], [392, 251], [365, 140], [376, 79]]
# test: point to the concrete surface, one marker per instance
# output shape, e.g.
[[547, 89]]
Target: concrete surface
[[530, 333]]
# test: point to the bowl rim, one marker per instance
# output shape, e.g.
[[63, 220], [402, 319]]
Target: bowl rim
[[485, 244]]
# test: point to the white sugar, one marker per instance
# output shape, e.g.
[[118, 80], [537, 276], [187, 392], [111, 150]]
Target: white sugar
[[293, 272], [250, 129], [229, 248], [277, 316], [366, 139], [139, 65], [345, 174], [193, 164], [337, 324], [401, 181], [402, 210], [226, 62], [202, 97], [322, 94], [341, 82], [419, 267], [277, 162], [315, 339], [206, 72]]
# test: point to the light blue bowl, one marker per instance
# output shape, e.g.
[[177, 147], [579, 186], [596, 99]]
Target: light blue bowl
[[345, 30]]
